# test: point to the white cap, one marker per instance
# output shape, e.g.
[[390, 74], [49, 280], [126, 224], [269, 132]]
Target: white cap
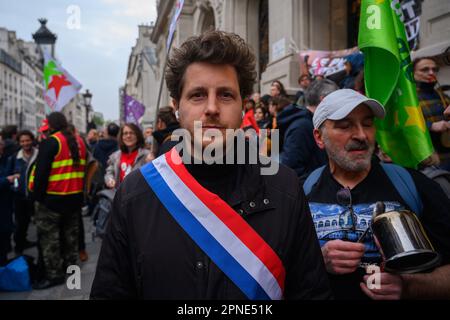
[[338, 104]]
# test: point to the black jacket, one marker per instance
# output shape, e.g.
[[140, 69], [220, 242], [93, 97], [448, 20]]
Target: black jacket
[[162, 137], [146, 254], [6, 195], [103, 149], [10, 148], [298, 149]]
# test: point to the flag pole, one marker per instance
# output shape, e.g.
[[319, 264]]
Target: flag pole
[[162, 83]]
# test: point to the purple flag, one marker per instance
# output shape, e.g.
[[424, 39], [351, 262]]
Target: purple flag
[[134, 110]]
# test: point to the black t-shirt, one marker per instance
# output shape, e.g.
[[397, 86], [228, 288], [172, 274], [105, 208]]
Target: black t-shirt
[[375, 187]]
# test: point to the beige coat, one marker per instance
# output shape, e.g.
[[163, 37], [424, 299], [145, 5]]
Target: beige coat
[[113, 170]]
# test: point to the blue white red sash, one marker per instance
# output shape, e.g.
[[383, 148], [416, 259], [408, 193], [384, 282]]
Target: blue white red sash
[[217, 229]]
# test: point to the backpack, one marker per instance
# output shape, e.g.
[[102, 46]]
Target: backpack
[[102, 212], [441, 176], [399, 176], [15, 276]]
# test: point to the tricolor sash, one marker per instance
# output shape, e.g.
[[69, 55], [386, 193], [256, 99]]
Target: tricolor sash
[[217, 229]]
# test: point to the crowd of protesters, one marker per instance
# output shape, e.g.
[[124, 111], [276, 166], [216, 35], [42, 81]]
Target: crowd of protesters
[[319, 238], [30, 189]]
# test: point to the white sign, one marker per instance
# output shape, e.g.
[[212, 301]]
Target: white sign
[[278, 49]]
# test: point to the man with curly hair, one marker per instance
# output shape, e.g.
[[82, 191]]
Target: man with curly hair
[[210, 231]]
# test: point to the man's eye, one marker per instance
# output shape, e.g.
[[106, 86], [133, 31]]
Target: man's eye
[[343, 125], [197, 95], [227, 95]]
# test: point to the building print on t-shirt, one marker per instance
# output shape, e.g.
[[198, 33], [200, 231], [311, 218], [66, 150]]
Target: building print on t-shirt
[[333, 221], [126, 168], [127, 161]]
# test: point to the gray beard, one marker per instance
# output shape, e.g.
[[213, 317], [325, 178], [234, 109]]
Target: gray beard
[[338, 156]]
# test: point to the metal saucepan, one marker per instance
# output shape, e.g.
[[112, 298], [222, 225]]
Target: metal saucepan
[[403, 242]]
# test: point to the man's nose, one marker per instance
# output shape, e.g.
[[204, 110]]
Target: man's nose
[[212, 107], [359, 133]]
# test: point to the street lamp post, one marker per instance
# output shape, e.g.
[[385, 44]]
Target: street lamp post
[[87, 96], [45, 38], [3, 111], [21, 118]]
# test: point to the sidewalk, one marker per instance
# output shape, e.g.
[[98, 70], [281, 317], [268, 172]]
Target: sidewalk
[[61, 292]]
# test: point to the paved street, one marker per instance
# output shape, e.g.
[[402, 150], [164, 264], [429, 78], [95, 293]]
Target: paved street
[[61, 292]]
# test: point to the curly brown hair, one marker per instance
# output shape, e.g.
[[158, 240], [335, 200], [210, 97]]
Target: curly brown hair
[[215, 47]]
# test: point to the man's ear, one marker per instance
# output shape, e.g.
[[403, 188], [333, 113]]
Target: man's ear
[[319, 139], [175, 104]]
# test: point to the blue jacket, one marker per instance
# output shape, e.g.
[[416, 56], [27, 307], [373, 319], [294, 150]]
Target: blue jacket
[[6, 195], [299, 150]]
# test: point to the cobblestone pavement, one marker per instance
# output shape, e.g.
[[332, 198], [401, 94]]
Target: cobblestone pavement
[[61, 292]]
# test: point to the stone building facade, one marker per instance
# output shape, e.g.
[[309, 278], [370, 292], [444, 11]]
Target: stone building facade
[[275, 30], [434, 39], [141, 82], [75, 112], [278, 29]]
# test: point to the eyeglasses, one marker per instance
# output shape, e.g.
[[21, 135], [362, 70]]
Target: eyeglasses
[[348, 216], [428, 69], [347, 221]]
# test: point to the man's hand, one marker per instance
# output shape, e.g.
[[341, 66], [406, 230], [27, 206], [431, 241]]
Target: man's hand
[[342, 257], [447, 112], [391, 287], [440, 126], [12, 177]]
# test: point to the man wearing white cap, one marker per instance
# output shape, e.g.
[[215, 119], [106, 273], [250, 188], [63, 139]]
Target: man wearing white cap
[[342, 196]]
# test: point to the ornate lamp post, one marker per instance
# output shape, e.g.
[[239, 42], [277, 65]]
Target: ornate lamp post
[[87, 96], [45, 38]]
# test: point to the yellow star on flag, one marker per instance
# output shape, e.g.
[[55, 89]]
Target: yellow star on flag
[[415, 118]]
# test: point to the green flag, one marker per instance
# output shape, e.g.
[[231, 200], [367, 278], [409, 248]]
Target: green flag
[[388, 74]]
